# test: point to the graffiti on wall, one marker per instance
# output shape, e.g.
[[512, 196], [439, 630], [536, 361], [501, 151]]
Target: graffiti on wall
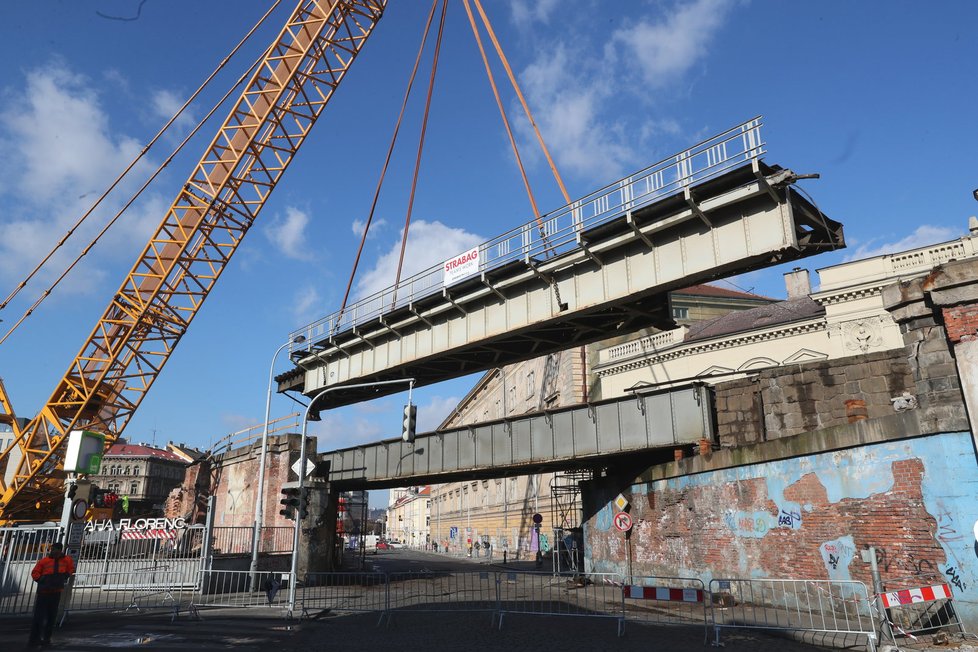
[[810, 517]]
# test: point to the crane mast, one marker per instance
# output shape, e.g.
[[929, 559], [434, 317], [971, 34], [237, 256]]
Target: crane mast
[[190, 248]]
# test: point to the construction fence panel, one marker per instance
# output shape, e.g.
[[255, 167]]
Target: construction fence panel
[[233, 589], [840, 612], [656, 600], [921, 604], [155, 590], [473, 591], [595, 595], [343, 593], [115, 551], [20, 549]]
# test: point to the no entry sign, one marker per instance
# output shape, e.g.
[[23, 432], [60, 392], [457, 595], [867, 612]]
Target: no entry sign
[[623, 521]]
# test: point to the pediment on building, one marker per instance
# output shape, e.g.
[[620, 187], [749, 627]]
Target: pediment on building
[[757, 363], [804, 355], [715, 370]]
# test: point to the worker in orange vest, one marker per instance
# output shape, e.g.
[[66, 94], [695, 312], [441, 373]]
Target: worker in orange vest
[[51, 574]]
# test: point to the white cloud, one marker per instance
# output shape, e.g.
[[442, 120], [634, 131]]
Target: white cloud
[[923, 235], [341, 430], [525, 12], [288, 233], [574, 86], [569, 112], [432, 413], [60, 153], [307, 304], [375, 224], [429, 244], [165, 105], [666, 49]]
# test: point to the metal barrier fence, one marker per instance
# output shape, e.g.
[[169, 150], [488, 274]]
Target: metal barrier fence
[[475, 591], [227, 588], [556, 232], [20, 548], [157, 589], [140, 551], [341, 593], [660, 601], [596, 595], [840, 609], [921, 604], [236, 540]]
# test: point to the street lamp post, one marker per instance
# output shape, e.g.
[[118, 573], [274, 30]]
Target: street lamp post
[[294, 570], [259, 498]]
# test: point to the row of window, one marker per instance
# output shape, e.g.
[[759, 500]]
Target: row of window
[[118, 469], [116, 487]]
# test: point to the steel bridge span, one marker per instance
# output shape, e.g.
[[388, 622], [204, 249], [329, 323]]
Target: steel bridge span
[[603, 265]]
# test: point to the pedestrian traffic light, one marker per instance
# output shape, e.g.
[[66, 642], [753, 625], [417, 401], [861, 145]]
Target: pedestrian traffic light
[[410, 422], [289, 501], [303, 503]]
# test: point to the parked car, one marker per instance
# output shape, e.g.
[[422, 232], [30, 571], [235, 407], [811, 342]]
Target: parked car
[[382, 545], [395, 544]]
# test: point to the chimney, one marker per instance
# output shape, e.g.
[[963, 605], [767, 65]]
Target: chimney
[[797, 283]]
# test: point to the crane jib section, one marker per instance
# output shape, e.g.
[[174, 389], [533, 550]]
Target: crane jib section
[[186, 255]]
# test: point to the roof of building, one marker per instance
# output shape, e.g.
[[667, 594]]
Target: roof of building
[[705, 290], [188, 453], [140, 450], [782, 312]]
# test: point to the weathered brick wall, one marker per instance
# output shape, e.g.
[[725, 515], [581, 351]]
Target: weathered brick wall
[[961, 322], [806, 517], [803, 397]]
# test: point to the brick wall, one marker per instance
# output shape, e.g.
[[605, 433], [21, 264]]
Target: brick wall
[[806, 518], [803, 397], [961, 322]]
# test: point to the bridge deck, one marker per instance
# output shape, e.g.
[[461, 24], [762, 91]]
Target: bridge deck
[[579, 280]]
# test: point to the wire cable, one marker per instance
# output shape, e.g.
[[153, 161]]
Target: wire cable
[[142, 188]]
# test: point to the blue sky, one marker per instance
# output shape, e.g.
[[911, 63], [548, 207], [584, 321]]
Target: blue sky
[[877, 97]]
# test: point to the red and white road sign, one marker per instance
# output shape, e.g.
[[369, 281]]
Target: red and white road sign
[[623, 521], [911, 596]]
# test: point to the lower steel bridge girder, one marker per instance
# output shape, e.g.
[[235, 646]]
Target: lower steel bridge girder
[[591, 435]]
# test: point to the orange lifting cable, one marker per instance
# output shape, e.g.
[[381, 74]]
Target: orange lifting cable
[[417, 162], [27, 313], [383, 172], [519, 94]]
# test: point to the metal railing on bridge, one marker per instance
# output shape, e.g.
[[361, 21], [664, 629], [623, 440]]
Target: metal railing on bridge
[[557, 232]]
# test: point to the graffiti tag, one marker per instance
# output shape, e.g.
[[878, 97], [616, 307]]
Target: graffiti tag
[[955, 578], [789, 519]]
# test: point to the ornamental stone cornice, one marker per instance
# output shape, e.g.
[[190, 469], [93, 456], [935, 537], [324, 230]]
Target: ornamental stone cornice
[[709, 346]]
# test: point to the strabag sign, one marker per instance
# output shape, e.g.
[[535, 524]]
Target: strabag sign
[[460, 266]]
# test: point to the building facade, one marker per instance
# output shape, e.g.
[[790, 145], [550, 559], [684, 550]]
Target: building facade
[[143, 474], [522, 515]]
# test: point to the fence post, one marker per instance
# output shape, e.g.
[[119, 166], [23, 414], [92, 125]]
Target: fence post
[[869, 555], [206, 548]]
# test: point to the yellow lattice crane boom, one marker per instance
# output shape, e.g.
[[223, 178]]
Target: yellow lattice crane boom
[[190, 248]]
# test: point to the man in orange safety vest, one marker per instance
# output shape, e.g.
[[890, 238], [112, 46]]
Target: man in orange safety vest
[[51, 574]]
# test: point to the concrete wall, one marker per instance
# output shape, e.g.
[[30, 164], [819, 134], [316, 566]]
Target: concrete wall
[[808, 517]]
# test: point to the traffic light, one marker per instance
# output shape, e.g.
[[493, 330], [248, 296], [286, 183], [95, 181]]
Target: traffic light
[[289, 501], [303, 503], [409, 423]]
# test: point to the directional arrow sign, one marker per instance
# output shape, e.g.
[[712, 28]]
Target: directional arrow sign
[[310, 467]]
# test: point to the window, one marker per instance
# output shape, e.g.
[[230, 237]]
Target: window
[[530, 382], [127, 471], [135, 470], [512, 399], [132, 487], [680, 313]]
